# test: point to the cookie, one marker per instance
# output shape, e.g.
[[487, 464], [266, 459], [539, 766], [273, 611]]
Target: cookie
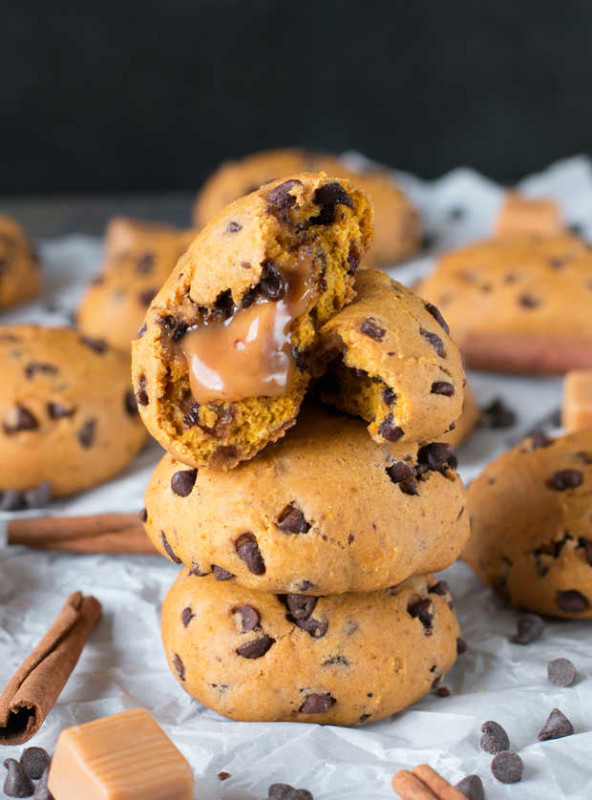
[[518, 304], [67, 412], [325, 510], [20, 275], [531, 527], [464, 426], [139, 257], [222, 361], [395, 364], [341, 660], [397, 224]]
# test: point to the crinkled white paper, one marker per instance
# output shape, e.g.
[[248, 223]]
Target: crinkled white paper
[[123, 665]]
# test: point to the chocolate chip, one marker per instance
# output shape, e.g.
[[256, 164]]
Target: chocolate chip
[[507, 767], [41, 790], [248, 550], [34, 760], [528, 300], [86, 434], [143, 515], [389, 431], [538, 440], [233, 227], [437, 457], [461, 646], [437, 315], [59, 411], [176, 327], [442, 691], [388, 396], [435, 341], [22, 420], [353, 259], [423, 610], [38, 496], [142, 394], [145, 263], [99, 346], [556, 727], [443, 387], [37, 367], [329, 197], [529, 628], [271, 285], [129, 403], [17, 782], [250, 617], [280, 198], [223, 775], [147, 295], [316, 703], [141, 331], [221, 574], [249, 297], [223, 308], [572, 601], [283, 791], [179, 667], [12, 500], [471, 787], [186, 616], [256, 647], [292, 520], [497, 415], [183, 481], [300, 606], [403, 474], [370, 327], [561, 672], [168, 549], [565, 479], [494, 738]]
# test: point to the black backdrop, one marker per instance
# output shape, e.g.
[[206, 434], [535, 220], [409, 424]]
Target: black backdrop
[[152, 94]]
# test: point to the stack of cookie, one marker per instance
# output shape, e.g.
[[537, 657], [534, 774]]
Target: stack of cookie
[[306, 591]]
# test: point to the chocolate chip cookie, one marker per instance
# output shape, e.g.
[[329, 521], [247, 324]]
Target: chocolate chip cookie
[[68, 415], [531, 525], [223, 360], [20, 275], [344, 660], [139, 257], [393, 362], [323, 511], [397, 225]]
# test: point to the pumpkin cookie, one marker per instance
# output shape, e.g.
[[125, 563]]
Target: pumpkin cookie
[[325, 510], [518, 304], [397, 233], [223, 359], [342, 660], [20, 276], [68, 415], [531, 525]]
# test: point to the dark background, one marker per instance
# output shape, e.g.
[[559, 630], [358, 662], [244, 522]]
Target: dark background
[[137, 95]]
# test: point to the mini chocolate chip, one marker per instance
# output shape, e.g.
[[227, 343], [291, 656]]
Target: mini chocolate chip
[[494, 738], [99, 346], [233, 227], [507, 767], [143, 515], [183, 481], [353, 259], [87, 433], [283, 791], [556, 727], [147, 295], [471, 787], [529, 628], [435, 341], [41, 790], [145, 263], [271, 285], [443, 387], [248, 551], [292, 520], [179, 667], [223, 775], [24, 420], [370, 327], [497, 415], [12, 500], [561, 672], [437, 457], [168, 549], [389, 431], [256, 647], [423, 610], [38, 496], [316, 703], [59, 411], [186, 616], [34, 760], [250, 617], [129, 403], [142, 394], [17, 783], [437, 315], [528, 300], [388, 396], [38, 367], [572, 601], [141, 331], [221, 574], [565, 479], [280, 197], [329, 197], [300, 606], [461, 646]]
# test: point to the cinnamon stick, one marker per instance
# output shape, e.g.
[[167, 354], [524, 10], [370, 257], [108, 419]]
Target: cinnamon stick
[[32, 691], [438, 785], [409, 787]]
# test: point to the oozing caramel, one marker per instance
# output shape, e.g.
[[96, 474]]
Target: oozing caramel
[[250, 354]]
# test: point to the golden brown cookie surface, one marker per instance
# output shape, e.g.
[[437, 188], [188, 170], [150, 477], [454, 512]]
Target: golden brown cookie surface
[[67, 412], [325, 510], [342, 660], [20, 276], [397, 224], [531, 525]]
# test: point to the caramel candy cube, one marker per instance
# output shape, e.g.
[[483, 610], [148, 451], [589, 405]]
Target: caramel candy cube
[[123, 757], [524, 215], [577, 400]]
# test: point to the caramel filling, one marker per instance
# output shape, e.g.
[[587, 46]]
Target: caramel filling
[[250, 354]]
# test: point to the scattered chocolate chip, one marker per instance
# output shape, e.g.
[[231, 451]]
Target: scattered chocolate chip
[[441, 588], [437, 457], [233, 227], [179, 666], [38, 496], [437, 315], [329, 197], [389, 431], [271, 285], [561, 672], [34, 760], [423, 610], [250, 617], [565, 479], [316, 703], [371, 328], [443, 387], [388, 396], [87, 433], [41, 790], [183, 481], [435, 341], [17, 782], [403, 475], [528, 300], [249, 297], [494, 739], [280, 197], [221, 574], [529, 628], [22, 420], [129, 403], [507, 767], [143, 515], [283, 791], [59, 411], [461, 647], [292, 520], [256, 647], [497, 415], [168, 549], [248, 550], [186, 616], [99, 346], [12, 500], [145, 263], [147, 295], [142, 394], [223, 775], [37, 367], [471, 787], [300, 606], [556, 727], [572, 601]]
